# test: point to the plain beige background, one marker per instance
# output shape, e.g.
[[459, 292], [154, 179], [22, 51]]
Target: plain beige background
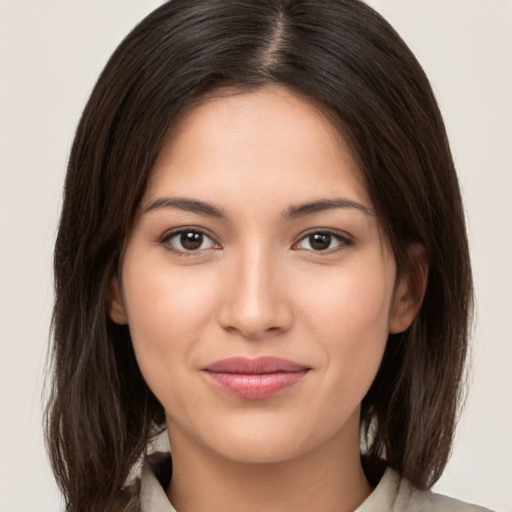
[[51, 52]]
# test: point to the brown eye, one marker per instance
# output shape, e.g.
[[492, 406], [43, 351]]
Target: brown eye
[[323, 241], [185, 241], [320, 241], [191, 240]]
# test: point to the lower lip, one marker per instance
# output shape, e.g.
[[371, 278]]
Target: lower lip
[[255, 386]]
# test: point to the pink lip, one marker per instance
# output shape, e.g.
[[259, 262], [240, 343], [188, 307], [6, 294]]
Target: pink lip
[[254, 379]]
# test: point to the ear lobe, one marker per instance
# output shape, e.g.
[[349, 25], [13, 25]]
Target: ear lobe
[[409, 290], [116, 308]]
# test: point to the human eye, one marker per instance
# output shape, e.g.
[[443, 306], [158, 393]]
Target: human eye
[[188, 241], [322, 241]]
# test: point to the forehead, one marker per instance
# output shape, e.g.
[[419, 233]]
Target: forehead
[[264, 143]]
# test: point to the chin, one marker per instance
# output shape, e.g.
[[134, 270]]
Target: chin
[[267, 439], [260, 449]]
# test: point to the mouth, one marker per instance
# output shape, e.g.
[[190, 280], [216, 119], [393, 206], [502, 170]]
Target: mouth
[[254, 379]]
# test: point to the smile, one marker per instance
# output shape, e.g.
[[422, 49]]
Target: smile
[[254, 379]]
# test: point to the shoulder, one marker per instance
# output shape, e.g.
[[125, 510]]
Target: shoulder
[[396, 494], [426, 501], [445, 503], [411, 499]]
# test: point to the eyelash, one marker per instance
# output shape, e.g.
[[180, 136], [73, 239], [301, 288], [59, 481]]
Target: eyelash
[[343, 241], [167, 237]]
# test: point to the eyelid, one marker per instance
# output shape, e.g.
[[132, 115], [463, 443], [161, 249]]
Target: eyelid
[[343, 238], [171, 233]]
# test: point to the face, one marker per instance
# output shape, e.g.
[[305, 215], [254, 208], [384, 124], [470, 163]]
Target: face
[[257, 286]]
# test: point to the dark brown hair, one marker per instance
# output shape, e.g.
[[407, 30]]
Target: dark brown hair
[[345, 57]]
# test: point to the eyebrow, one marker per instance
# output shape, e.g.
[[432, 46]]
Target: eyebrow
[[301, 210], [293, 212], [188, 205]]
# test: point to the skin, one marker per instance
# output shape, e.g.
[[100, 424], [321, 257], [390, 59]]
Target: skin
[[256, 286]]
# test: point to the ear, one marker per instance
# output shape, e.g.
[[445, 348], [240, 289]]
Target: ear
[[409, 290], [116, 308]]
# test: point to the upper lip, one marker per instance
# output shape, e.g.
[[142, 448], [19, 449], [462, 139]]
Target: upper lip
[[260, 365]]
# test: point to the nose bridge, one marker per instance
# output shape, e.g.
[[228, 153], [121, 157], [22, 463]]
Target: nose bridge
[[256, 302], [255, 278]]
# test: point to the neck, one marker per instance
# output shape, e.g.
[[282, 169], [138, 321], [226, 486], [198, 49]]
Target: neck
[[327, 479]]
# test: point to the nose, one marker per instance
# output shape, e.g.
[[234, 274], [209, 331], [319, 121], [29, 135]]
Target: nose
[[256, 301]]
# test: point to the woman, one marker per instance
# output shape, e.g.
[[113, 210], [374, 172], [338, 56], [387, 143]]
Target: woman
[[261, 250]]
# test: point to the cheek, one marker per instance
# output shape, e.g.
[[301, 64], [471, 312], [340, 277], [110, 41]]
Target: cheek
[[355, 303], [167, 312], [160, 298], [350, 317]]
